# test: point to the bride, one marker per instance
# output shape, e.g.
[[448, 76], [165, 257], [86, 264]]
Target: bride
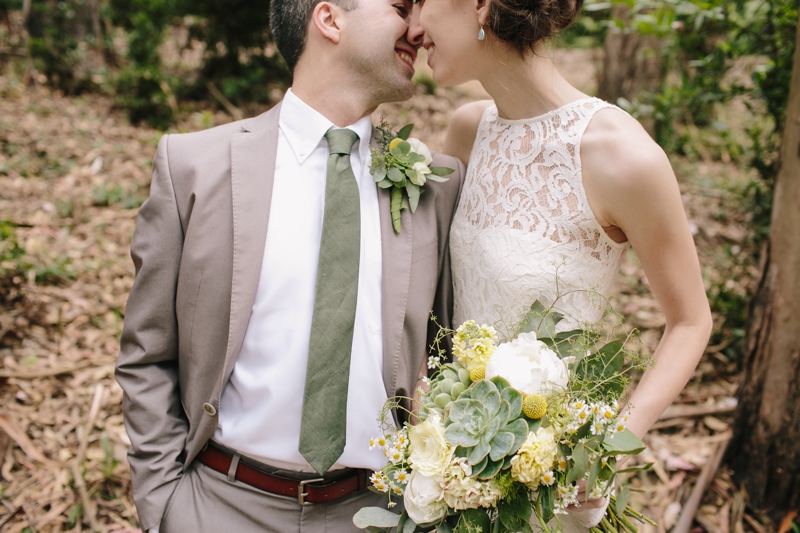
[[559, 185]]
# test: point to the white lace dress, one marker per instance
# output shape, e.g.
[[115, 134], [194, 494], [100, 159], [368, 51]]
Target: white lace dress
[[524, 231]]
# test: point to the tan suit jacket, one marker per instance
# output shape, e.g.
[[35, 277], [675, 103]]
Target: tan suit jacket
[[198, 249]]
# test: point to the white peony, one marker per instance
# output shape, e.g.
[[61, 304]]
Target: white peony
[[429, 452], [422, 174], [420, 148], [424, 499], [528, 365]]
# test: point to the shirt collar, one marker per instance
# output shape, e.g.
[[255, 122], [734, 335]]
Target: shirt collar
[[304, 127]]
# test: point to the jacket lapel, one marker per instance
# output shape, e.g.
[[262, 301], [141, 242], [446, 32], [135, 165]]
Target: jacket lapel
[[396, 269], [253, 156]]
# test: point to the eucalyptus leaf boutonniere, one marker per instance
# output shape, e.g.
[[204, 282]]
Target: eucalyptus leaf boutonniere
[[402, 163]]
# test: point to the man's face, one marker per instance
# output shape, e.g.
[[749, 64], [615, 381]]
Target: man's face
[[380, 49]]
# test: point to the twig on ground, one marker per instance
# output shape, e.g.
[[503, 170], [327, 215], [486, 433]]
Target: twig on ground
[[232, 110], [90, 420], [688, 411], [7, 518], [18, 435], [689, 511], [89, 510], [44, 372], [755, 524]]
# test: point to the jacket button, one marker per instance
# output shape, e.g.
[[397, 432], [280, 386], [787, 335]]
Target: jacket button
[[209, 409]]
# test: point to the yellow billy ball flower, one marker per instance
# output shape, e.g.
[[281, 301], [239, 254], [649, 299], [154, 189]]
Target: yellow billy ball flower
[[477, 373], [534, 406], [394, 143]]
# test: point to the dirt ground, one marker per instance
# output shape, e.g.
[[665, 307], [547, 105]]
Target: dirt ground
[[73, 172]]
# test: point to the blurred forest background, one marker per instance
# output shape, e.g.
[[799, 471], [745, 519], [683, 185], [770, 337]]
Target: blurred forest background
[[88, 86]]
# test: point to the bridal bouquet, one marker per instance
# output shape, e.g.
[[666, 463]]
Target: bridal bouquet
[[507, 431]]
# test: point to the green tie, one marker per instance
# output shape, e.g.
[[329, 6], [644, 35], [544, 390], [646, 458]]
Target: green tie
[[324, 420]]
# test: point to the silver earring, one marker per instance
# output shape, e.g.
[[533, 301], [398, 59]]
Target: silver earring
[[481, 34]]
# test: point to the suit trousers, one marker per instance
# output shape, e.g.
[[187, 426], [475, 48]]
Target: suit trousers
[[204, 501]]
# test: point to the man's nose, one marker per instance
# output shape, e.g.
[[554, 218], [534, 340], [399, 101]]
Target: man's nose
[[415, 34]]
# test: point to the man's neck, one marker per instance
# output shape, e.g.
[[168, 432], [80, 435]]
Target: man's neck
[[341, 105]]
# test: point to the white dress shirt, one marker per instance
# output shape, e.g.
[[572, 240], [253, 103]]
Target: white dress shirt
[[261, 405]]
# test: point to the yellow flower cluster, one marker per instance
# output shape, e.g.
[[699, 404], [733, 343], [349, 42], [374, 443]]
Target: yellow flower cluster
[[473, 345], [536, 457], [534, 406]]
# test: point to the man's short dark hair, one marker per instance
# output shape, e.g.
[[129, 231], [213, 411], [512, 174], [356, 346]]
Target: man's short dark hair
[[289, 21]]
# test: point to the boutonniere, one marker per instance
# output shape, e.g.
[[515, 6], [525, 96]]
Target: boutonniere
[[401, 164]]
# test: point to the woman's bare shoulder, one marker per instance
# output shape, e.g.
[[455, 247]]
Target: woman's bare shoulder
[[463, 129], [616, 151]]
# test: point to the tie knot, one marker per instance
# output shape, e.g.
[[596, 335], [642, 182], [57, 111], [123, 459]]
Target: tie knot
[[341, 141]]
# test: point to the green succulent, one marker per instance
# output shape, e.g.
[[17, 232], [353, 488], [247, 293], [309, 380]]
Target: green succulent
[[486, 425], [448, 384]]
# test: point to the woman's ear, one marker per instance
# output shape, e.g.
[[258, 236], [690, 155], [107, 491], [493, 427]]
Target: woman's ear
[[482, 10], [326, 18]]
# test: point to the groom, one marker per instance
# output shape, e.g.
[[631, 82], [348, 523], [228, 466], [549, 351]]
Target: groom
[[275, 309]]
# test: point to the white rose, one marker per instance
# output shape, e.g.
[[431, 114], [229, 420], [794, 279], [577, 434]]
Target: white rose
[[528, 365], [420, 148], [429, 453], [424, 499], [422, 174]]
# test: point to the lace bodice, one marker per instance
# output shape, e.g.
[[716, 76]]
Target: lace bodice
[[524, 229]]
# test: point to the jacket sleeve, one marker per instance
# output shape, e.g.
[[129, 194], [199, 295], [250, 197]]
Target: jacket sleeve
[[147, 367], [443, 303]]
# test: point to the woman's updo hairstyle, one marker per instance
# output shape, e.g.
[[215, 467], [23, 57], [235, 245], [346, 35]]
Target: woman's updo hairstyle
[[525, 23]]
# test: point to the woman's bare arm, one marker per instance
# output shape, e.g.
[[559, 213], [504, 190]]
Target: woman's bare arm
[[633, 191]]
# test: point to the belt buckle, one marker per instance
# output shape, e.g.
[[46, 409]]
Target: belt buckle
[[302, 495]]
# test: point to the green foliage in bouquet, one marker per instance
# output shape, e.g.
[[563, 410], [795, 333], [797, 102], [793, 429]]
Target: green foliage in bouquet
[[496, 469], [485, 426], [446, 386]]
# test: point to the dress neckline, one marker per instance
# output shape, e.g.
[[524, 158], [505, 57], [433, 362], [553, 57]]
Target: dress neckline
[[539, 118]]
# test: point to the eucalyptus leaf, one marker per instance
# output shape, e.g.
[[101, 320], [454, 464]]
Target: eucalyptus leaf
[[580, 456], [375, 517], [476, 518], [395, 175], [622, 500], [541, 321], [593, 473], [443, 528], [410, 526], [405, 131], [413, 195], [636, 468], [385, 183], [378, 174], [546, 501], [441, 171], [623, 443]]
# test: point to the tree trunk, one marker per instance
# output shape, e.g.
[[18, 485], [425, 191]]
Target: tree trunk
[[765, 451], [631, 62]]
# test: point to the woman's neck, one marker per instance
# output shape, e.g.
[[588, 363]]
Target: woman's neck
[[525, 86]]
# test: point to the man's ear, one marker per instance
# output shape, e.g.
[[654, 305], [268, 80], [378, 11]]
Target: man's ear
[[326, 18]]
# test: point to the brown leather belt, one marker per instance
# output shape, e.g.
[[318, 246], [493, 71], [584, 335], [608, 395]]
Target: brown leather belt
[[307, 491]]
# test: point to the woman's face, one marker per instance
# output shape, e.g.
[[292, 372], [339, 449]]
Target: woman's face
[[451, 39]]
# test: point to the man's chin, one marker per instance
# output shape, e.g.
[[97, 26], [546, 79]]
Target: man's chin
[[400, 93]]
